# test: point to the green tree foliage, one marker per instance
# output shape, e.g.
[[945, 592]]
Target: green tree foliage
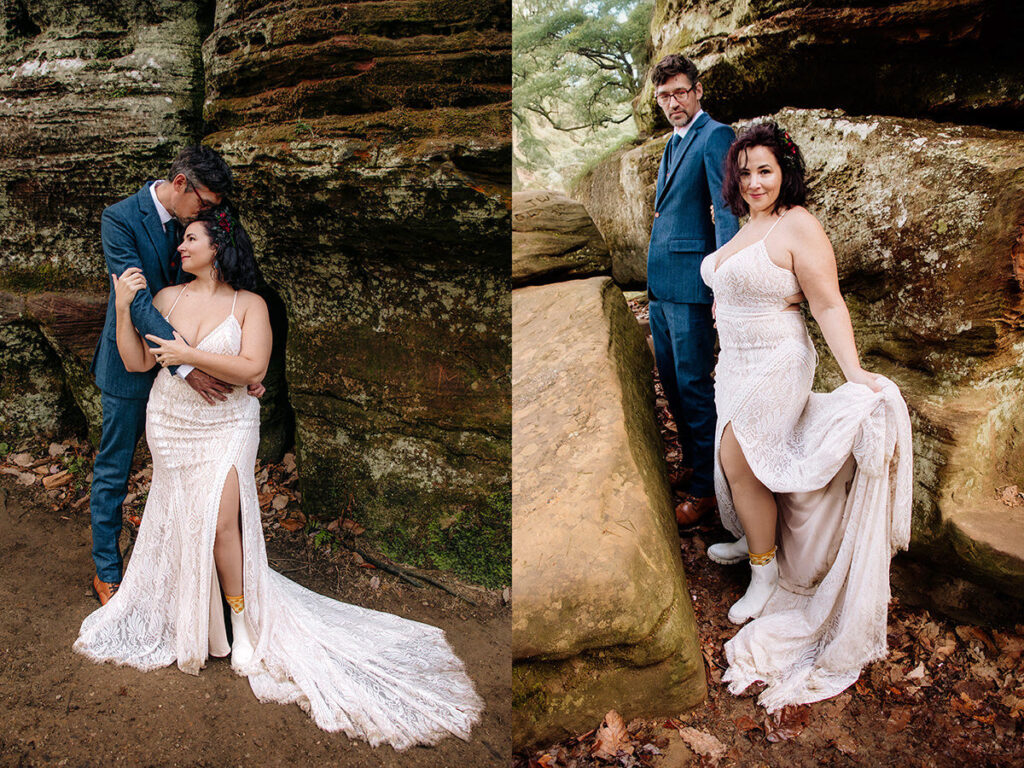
[[576, 65]]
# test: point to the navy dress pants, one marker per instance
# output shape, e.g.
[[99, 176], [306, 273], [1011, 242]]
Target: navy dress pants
[[124, 420], [684, 350]]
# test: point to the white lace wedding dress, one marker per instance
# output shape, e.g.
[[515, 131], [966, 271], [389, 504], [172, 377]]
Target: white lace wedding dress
[[372, 675], [840, 467]]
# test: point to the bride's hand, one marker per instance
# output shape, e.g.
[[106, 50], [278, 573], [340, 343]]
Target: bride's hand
[[174, 351], [125, 287], [868, 379]]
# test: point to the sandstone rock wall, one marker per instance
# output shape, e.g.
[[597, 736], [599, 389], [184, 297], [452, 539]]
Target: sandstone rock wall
[[371, 147], [950, 61], [372, 144], [95, 98]]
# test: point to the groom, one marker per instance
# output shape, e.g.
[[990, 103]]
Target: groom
[[682, 328], [143, 231]]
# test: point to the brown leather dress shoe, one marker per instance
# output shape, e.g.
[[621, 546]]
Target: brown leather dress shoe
[[103, 590], [693, 508]]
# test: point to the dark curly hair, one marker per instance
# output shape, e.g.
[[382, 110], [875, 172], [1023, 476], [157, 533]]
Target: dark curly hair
[[234, 259], [767, 133]]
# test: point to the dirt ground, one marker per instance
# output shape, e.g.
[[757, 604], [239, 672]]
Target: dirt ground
[[57, 708], [949, 694]]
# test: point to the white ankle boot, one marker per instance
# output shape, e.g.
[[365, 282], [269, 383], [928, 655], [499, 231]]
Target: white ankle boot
[[241, 644], [763, 580], [728, 553]]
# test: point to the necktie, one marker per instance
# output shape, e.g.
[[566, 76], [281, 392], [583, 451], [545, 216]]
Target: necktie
[[673, 147], [171, 233]]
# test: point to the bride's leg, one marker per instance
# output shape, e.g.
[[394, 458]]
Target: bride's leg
[[758, 513], [755, 504], [227, 546], [227, 555]]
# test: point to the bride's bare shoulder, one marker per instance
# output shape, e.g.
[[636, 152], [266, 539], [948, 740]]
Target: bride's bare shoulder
[[166, 296], [248, 300], [802, 223]]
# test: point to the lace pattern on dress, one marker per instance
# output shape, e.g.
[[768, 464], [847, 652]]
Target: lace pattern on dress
[[372, 675], [808, 644]]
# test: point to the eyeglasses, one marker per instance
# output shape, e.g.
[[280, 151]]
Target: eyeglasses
[[664, 99], [204, 204]]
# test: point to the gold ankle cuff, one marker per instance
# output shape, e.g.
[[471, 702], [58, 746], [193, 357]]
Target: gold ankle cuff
[[764, 559], [237, 602]]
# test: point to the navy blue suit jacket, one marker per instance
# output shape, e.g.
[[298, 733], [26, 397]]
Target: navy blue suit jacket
[[133, 237], [683, 232]]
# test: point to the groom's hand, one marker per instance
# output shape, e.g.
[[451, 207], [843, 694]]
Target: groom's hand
[[208, 387]]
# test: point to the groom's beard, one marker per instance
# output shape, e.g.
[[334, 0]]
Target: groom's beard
[[680, 115]]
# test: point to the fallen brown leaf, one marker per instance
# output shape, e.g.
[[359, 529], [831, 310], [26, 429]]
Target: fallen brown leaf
[[1015, 704], [787, 723], [290, 524], [704, 744], [25, 478], [22, 459], [746, 723], [917, 673], [846, 744], [610, 737], [279, 502], [288, 462], [352, 527], [967, 632]]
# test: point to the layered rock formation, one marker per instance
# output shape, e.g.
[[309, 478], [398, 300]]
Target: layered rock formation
[[601, 613], [372, 145], [949, 61], [554, 238], [927, 221], [371, 148], [95, 98]]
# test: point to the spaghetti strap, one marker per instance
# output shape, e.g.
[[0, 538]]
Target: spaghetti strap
[[233, 303], [180, 294], [774, 225]]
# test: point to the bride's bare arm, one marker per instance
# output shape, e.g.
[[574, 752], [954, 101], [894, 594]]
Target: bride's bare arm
[[249, 366], [814, 263], [134, 353]]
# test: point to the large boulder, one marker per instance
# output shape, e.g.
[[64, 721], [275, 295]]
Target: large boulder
[[371, 143], [48, 341], [554, 238], [927, 221], [945, 60], [601, 615], [619, 195]]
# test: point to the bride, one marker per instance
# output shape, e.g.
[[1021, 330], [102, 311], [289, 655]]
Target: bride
[[372, 675], [817, 486]]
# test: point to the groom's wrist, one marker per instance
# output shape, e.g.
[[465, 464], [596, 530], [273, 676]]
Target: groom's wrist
[[184, 370]]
